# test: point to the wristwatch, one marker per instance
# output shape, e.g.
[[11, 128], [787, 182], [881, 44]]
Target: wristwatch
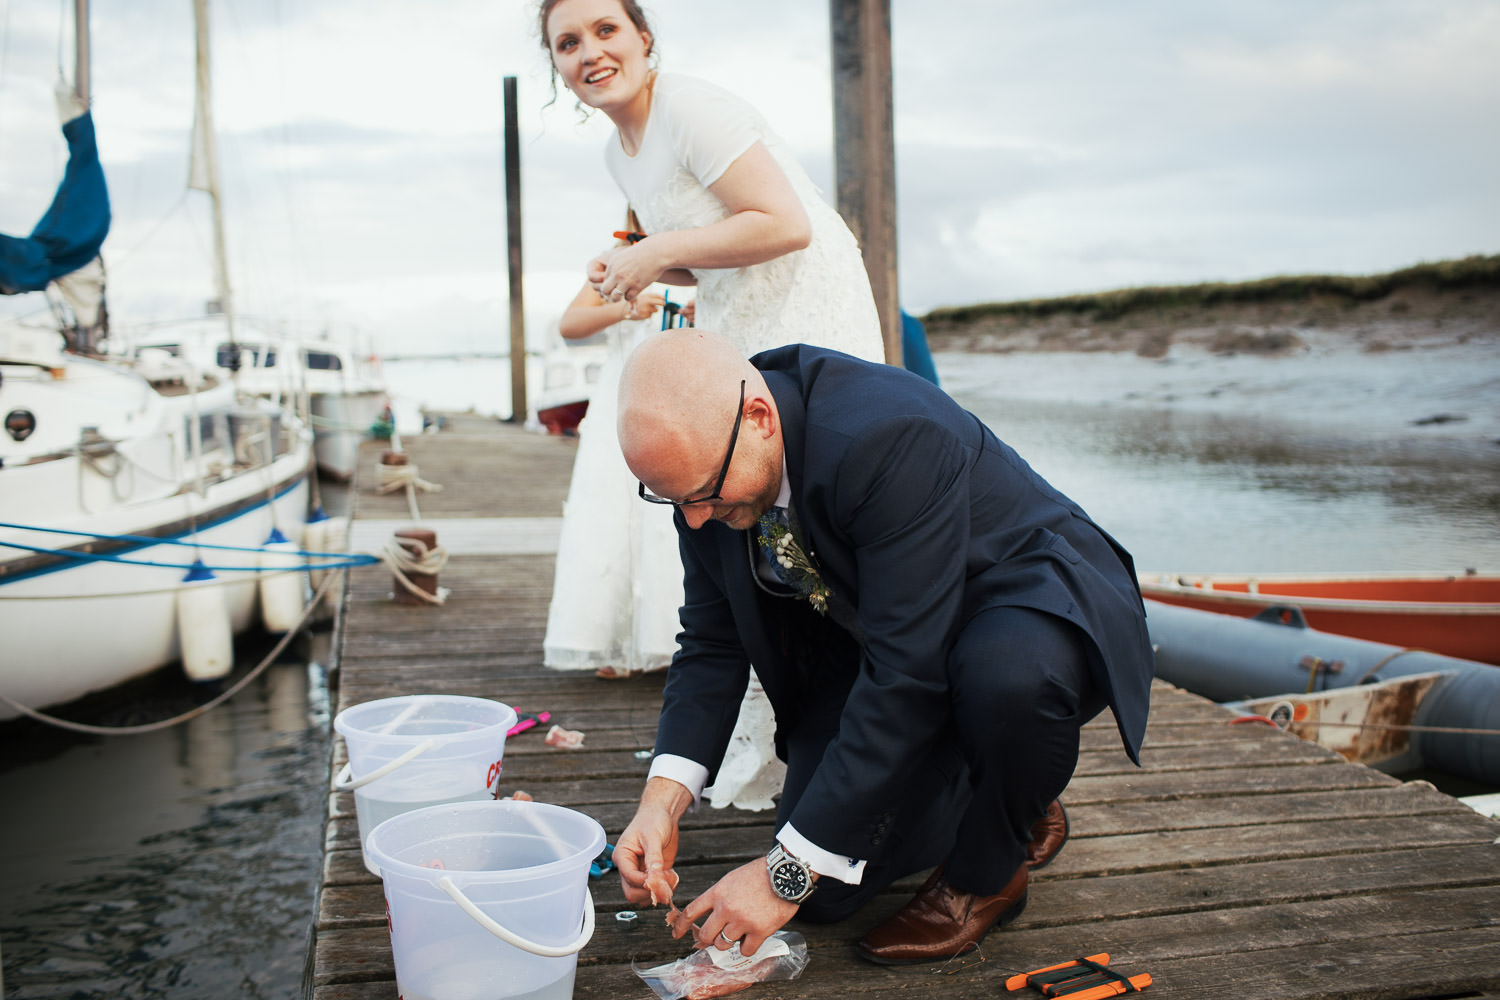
[[791, 878]]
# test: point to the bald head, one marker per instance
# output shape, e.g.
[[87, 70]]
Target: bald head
[[678, 397]]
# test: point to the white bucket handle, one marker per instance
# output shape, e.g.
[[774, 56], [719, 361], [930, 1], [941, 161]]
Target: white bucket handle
[[342, 783], [511, 938]]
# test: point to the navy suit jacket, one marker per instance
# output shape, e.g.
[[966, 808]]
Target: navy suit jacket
[[918, 517]]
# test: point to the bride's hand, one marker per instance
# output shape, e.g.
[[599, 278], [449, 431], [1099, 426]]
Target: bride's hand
[[645, 306], [626, 272]]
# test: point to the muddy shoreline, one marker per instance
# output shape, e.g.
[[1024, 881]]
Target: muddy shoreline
[[1407, 319]]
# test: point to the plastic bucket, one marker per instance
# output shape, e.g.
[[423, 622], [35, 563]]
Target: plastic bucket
[[487, 900], [420, 750]]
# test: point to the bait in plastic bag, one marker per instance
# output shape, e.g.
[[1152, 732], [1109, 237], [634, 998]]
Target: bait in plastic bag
[[710, 972]]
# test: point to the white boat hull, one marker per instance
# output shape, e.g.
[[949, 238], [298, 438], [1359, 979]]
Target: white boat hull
[[82, 607], [92, 625]]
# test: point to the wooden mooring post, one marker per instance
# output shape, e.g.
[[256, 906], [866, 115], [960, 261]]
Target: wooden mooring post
[[519, 405], [865, 149]]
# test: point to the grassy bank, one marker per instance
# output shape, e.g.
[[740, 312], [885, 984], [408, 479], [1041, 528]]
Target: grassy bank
[[1444, 300]]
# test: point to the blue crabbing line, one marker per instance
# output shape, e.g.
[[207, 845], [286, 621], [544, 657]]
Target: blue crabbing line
[[344, 559]]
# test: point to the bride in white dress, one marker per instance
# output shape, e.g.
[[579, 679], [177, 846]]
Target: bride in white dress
[[723, 205]]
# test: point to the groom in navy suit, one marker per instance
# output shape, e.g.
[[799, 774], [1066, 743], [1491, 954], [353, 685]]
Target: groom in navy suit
[[931, 621]]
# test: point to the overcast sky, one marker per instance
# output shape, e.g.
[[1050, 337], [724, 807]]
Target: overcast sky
[[1043, 147]]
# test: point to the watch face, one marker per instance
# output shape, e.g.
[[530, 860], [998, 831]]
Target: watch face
[[789, 880]]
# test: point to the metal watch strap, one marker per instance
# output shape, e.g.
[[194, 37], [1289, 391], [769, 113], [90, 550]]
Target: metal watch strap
[[778, 857]]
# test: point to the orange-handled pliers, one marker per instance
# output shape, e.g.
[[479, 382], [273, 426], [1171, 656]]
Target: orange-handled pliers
[[1081, 979]]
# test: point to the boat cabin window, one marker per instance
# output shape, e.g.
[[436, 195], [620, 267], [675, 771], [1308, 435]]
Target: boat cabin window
[[214, 429], [322, 361], [249, 356]]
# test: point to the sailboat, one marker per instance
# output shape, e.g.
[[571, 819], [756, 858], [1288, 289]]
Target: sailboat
[[141, 497], [333, 383]]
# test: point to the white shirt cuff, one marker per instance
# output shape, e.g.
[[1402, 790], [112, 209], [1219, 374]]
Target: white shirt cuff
[[688, 773], [837, 866]]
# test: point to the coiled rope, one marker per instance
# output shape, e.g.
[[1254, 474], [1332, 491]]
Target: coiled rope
[[151, 727]]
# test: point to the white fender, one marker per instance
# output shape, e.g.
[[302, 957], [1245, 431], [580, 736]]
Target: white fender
[[315, 539], [283, 584], [203, 628]]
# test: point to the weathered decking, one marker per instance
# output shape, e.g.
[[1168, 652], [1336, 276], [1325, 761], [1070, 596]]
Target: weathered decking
[[1238, 862]]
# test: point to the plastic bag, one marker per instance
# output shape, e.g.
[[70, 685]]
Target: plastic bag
[[710, 972]]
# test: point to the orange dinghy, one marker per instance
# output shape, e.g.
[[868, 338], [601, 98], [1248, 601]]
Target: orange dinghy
[[1455, 614]]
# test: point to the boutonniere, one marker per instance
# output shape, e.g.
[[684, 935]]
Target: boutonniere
[[796, 568]]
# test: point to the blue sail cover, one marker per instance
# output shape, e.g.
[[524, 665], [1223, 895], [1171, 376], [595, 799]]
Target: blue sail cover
[[70, 234]]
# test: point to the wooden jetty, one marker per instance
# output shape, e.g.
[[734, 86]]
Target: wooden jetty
[[1237, 862]]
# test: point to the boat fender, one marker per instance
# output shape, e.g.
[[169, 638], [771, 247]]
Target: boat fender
[[203, 628], [323, 533], [336, 537], [315, 539], [283, 589]]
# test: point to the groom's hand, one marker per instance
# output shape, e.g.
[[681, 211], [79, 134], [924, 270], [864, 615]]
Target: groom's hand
[[648, 847], [741, 907]]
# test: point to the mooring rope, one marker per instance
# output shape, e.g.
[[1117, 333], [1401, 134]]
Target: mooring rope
[[395, 477], [1406, 727], [340, 560], [150, 727]]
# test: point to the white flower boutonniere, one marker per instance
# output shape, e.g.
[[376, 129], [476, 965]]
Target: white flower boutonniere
[[796, 568]]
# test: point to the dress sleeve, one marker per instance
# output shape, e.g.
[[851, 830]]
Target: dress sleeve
[[709, 128]]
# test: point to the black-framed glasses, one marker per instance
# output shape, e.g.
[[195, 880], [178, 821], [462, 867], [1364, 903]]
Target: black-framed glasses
[[718, 493]]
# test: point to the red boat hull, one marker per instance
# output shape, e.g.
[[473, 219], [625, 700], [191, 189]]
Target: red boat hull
[[563, 420], [1455, 615]]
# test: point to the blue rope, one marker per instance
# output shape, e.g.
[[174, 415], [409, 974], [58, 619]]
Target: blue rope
[[146, 540], [341, 559], [345, 559]]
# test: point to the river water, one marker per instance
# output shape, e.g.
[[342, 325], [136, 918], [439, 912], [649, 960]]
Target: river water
[[184, 864]]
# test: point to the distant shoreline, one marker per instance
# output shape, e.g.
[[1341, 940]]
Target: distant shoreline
[[1432, 305]]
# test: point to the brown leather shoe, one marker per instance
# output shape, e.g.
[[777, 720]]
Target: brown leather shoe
[[942, 921], [1047, 836]]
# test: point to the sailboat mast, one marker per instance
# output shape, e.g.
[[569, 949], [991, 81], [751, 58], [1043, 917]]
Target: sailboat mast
[[81, 50], [204, 174]]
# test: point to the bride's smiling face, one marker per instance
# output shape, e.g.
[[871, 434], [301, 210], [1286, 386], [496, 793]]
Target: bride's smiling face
[[599, 51]]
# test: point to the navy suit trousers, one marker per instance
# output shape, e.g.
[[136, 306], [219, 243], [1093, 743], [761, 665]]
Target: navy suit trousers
[[1023, 684]]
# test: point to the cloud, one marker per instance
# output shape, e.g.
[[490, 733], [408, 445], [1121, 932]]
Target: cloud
[[1041, 148]]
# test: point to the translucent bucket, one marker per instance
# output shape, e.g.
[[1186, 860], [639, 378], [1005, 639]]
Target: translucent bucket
[[487, 900], [420, 750]]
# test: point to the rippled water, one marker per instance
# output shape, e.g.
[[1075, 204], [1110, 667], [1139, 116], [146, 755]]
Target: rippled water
[[184, 864], [1243, 464]]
